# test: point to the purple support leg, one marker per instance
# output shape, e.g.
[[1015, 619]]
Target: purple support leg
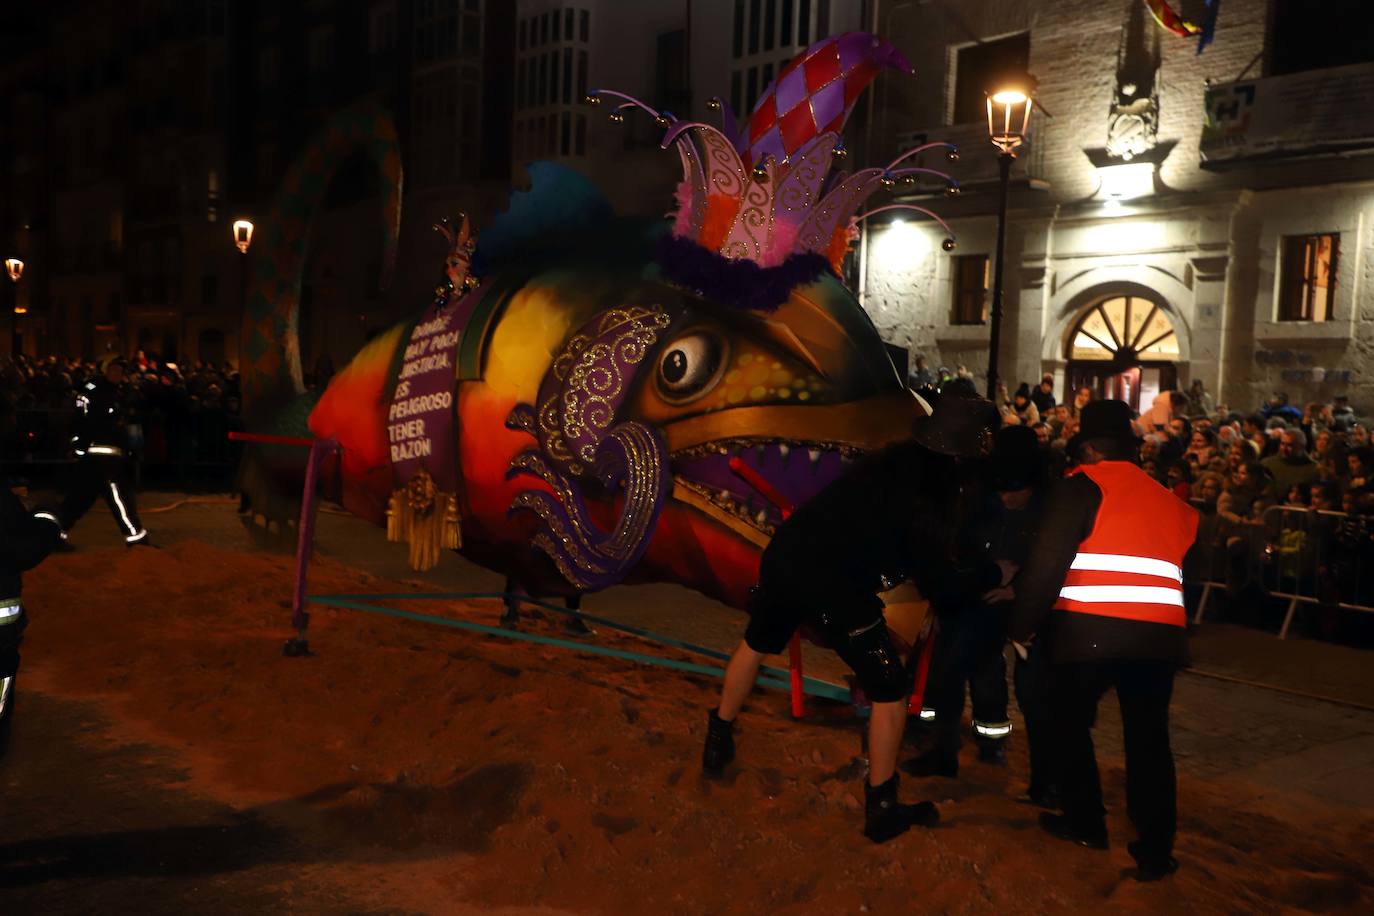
[[305, 544]]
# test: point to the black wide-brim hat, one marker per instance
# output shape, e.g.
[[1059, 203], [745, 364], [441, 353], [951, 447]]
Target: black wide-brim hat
[[959, 426], [1104, 420]]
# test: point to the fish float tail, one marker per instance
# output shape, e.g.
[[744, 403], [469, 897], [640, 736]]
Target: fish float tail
[[274, 395]]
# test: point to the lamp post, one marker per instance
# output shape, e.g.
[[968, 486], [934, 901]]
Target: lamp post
[[1009, 108], [243, 237], [15, 268]]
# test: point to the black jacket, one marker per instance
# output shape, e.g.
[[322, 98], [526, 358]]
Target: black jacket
[[24, 542], [896, 514], [101, 417], [1070, 512]]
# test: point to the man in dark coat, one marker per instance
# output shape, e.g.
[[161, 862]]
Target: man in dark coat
[[893, 516], [971, 643], [1104, 583]]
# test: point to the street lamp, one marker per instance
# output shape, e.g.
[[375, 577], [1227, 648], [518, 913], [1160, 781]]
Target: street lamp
[[243, 237], [1009, 110], [15, 268], [243, 234]]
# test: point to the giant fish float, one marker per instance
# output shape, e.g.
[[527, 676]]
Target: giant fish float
[[568, 406]]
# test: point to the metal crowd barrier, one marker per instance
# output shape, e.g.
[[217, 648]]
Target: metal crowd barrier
[[1305, 556]]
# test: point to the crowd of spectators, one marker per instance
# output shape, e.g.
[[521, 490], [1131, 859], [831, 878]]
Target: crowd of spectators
[[1286, 493], [177, 416]]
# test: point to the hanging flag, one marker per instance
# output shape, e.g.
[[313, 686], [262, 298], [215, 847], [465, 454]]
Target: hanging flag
[[1169, 20], [1209, 26]]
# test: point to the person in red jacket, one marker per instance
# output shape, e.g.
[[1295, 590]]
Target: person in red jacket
[[1104, 585]]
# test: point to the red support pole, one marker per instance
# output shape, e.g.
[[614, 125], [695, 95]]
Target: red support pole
[[918, 693], [271, 439], [794, 664]]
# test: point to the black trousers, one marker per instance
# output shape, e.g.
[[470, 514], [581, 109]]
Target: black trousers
[[1032, 682], [1143, 688], [969, 649], [110, 477]]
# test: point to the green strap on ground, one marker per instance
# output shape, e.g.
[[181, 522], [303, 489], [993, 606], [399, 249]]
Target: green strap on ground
[[771, 677]]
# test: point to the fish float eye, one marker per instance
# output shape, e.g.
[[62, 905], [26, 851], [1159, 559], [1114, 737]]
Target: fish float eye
[[690, 366]]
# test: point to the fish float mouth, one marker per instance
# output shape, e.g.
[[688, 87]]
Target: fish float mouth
[[796, 467]]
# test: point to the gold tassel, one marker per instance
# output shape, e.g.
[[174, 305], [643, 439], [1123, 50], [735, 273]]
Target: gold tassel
[[394, 523], [413, 515], [453, 533]]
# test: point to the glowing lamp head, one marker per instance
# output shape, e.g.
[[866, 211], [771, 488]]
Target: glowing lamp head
[[15, 268], [1009, 106], [243, 234]]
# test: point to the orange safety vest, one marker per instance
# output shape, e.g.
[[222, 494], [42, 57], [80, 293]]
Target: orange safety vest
[[1131, 565]]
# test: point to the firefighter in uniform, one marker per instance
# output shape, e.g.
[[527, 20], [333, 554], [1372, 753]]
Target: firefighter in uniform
[[103, 466], [1104, 584]]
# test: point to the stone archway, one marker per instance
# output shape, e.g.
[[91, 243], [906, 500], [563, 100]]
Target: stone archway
[[1123, 345]]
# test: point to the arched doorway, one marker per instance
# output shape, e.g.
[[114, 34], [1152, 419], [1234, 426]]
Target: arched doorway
[[1124, 347]]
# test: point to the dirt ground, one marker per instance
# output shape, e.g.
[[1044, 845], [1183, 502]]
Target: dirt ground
[[407, 767]]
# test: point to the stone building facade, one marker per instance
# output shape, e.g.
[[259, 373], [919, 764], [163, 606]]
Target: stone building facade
[[1145, 248]]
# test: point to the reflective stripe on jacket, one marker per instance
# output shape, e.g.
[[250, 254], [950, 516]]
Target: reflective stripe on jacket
[[1130, 566]]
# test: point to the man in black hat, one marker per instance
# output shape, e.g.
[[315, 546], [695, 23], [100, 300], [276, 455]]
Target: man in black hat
[[103, 466], [894, 515], [970, 646], [1104, 583]]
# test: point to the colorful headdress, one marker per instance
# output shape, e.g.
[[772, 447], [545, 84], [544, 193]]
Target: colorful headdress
[[763, 213]]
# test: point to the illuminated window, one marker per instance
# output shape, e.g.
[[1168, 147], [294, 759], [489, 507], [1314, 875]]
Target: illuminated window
[[970, 288], [1127, 329], [1308, 277]]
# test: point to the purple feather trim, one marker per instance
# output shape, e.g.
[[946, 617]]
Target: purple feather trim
[[742, 283]]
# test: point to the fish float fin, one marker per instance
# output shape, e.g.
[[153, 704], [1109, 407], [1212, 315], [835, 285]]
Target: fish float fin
[[560, 202]]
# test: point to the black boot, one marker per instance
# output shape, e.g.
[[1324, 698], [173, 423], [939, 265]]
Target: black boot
[[1042, 796], [1151, 866], [720, 745], [576, 626], [933, 763], [1091, 835], [885, 817], [992, 752]]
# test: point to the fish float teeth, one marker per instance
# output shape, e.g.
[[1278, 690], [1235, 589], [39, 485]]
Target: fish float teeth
[[815, 454], [783, 450], [759, 450], [724, 495], [762, 517]]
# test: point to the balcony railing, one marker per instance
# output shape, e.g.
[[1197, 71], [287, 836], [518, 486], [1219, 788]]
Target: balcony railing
[[1314, 113], [977, 156]]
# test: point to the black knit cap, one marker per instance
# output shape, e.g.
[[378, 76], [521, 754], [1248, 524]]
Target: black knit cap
[[1017, 460], [1104, 420]]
